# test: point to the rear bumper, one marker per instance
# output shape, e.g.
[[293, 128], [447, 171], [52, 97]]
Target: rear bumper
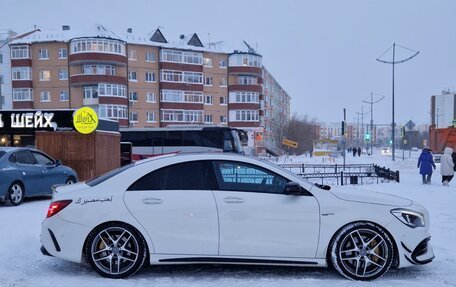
[[44, 251]]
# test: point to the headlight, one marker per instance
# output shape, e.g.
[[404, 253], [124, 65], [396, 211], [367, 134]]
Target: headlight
[[410, 218]]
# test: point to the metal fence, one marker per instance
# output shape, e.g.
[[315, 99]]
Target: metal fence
[[338, 174]]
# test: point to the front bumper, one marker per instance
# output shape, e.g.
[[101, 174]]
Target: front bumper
[[421, 254]]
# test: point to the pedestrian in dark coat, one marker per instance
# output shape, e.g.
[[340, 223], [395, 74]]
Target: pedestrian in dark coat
[[354, 151], [359, 151], [425, 164]]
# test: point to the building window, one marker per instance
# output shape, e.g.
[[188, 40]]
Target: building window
[[187, 116], [22, 73], [63, 53], [150, 56], [99, 70], [181, 96], [207, 62], [1, 58], [222, 82], [132, 76], [223, 119], [112, 90], [132, 55], [181, 77], [244, 97], [43, 54], [246, 80], [150, 98], [208, 81], [45, 96], [45, 75], [175, 56], [223, 100], [150, 77], [134, 117], [20, 52], [63, 75], [150, 117], [64, 97], [112, 111], [90, 92], [207, 99], [97, 45], [222, 64], [133, 96], [246, 116], [22, 94], [245, 60], [208, 119]]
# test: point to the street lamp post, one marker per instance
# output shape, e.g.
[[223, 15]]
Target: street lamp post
[[372, 118], [393, 124]]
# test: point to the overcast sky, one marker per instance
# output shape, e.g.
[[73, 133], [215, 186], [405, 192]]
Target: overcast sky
[[322, 52]]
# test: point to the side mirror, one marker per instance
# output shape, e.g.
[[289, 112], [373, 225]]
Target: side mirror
[[292, 188], [58, 162]]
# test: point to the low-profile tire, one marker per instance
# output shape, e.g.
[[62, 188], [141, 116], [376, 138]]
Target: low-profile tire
[[362, 251], [16, 193], [115, 250], [70, 180]]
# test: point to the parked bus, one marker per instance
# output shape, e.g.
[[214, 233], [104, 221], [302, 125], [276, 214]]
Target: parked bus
[[148, 142]]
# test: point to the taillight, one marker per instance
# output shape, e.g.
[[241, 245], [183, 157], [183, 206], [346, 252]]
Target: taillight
[[57, 206]]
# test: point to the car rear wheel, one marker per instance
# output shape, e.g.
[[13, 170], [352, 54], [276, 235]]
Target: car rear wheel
[[16, 193], [362, 251], [116, 250], [70, 180]]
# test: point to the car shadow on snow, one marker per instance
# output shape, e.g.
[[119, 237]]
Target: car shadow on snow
[[27, 200]]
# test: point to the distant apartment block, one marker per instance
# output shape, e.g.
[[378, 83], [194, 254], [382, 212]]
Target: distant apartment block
[[443, 109], [146, 81]]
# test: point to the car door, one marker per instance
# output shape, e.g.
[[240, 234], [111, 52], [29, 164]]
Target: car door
[[257, 219], [30, 173], [51, 174], [176, 206]]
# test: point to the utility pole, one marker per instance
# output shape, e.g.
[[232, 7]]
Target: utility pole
[[372, 118], [343, 134], [393, 124], [360, 134]]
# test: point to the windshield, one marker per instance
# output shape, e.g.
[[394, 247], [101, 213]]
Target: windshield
[[2, 153]]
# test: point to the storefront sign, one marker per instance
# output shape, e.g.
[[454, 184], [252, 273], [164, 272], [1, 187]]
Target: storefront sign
[[17, 121], [85, 120]]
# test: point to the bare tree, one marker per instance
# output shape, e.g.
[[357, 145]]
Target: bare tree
[[302, 130]]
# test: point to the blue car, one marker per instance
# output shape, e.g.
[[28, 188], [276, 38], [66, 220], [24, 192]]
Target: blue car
[[27, 172]]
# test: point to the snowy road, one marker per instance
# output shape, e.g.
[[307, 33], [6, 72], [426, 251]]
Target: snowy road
[[21, 263]]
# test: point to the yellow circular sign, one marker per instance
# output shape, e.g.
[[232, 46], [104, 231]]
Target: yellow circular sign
[[85, 120]]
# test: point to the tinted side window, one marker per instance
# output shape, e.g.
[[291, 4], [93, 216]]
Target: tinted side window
[[237, 176], [25, 157], [194, 175], [42, 159]]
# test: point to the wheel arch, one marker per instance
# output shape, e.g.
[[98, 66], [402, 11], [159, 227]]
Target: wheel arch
[[101, 225], [333, 237]]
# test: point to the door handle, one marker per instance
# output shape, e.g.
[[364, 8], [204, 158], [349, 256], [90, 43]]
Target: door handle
[[151, 200], [233, 200]]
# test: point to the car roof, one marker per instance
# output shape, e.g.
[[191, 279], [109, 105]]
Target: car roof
[[9, 149]]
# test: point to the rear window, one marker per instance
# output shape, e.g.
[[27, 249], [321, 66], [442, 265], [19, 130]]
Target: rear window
[[108, 175], [2, 153]]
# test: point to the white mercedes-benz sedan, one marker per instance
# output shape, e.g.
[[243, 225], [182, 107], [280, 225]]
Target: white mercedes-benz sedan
[[224, 208]]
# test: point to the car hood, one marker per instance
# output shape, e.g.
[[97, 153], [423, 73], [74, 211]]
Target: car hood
[[367, 196]]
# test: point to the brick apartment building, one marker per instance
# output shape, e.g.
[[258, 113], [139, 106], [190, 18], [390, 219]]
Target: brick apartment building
[[148, 81]]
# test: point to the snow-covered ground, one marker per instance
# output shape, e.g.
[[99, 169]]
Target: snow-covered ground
[[21, 263]]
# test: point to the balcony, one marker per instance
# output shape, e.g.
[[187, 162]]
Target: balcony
[[87, 79]]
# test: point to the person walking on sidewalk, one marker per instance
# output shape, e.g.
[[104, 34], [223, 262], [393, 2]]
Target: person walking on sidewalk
[[446, 166], [425, 164], [359, 151]]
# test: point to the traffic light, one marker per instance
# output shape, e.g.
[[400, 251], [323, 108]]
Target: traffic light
[[259, 137]]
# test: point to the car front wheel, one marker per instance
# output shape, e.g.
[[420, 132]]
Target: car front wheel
[[16, 193], [116, 250], [362, 251]]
